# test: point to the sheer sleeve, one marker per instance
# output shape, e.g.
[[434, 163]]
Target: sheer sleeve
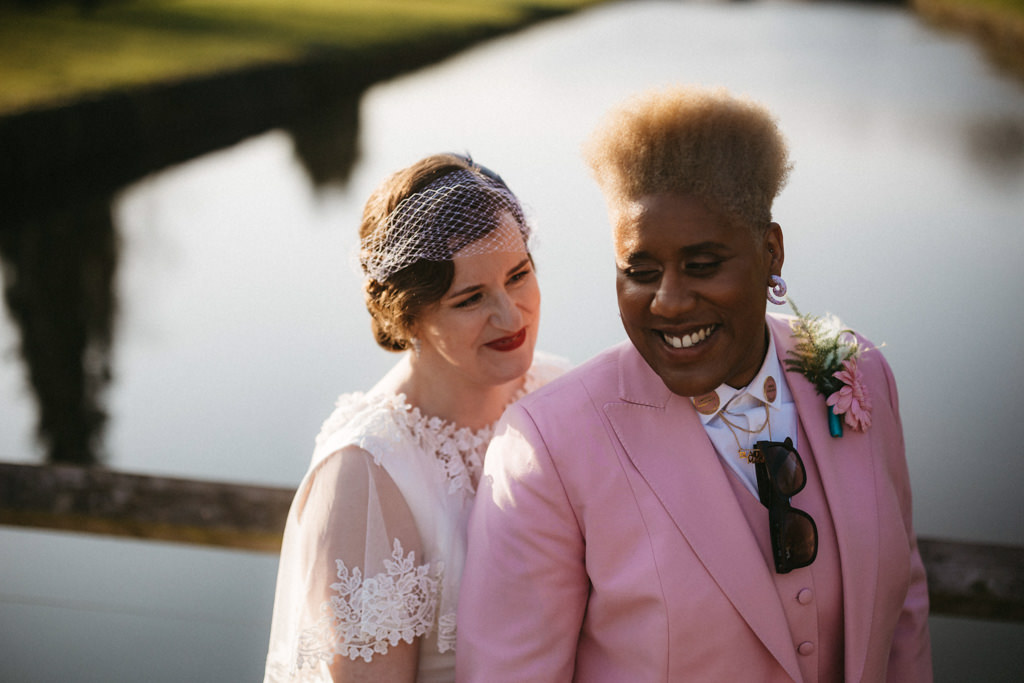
[[353, 580]]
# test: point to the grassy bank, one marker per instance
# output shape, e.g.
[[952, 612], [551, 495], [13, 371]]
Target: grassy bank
[[54, 52], [996, 25], [51, 52]]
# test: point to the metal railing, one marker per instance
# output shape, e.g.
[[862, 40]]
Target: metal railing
[[978, 580]]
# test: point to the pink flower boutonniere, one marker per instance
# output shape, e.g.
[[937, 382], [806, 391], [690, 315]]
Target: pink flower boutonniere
[[826, 353], [852, 399]]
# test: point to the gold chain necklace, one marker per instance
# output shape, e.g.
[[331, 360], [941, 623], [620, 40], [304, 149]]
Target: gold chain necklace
[[748, 454]]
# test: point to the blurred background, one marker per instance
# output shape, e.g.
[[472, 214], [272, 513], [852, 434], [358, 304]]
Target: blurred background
[[193, 310]]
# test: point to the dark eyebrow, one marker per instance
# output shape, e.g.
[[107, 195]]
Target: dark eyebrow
[[702, 247], [635, 256], [518, 266], [473, 288]]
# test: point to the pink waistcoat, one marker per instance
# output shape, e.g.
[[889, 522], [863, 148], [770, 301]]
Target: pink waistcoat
[[811, 597]]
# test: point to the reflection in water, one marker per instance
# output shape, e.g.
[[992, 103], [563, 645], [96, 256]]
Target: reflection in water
[[326, 140], [59, 265], [997, 147], [58, 273]]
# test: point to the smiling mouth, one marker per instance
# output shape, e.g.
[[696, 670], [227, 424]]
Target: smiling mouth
[[510, 343], [688, 340]]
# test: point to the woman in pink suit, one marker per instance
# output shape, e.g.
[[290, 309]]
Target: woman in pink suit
[[725, 496]]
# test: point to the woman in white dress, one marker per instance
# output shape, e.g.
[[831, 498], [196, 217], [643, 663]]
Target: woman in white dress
[[375, 539]]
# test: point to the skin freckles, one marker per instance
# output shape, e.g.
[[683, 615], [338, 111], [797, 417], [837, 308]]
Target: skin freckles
[[691, 286]]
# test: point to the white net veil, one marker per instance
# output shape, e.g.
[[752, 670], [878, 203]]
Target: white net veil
[[461, 211]]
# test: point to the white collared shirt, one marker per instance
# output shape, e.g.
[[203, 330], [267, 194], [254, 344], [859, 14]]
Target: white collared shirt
[[745, 408]]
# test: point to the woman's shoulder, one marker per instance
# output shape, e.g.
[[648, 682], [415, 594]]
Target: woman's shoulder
[[595, 370], [381, 410], [546, 367], [363, 420], [360, 408]]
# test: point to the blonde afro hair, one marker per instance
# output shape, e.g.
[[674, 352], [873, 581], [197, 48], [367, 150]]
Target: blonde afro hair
[[692, 140]]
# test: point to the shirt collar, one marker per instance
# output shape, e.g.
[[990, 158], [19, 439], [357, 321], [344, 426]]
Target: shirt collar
[[767, 386]]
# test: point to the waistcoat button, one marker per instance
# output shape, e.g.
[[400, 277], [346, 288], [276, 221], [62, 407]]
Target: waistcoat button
[[805, 596], [806, 648]]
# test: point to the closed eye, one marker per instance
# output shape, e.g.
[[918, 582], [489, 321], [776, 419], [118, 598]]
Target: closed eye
[[641, 273], [702, 267], [469, 301], [520, 275]]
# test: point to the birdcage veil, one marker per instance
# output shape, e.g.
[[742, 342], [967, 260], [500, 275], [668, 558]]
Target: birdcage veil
[[461, 212]]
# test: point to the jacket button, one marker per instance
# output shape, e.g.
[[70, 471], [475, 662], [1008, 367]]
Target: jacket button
[[806, 648], [805, 596]]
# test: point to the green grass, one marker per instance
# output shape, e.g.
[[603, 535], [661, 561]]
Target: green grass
[[998, 10], [996, 25], [57, 53]]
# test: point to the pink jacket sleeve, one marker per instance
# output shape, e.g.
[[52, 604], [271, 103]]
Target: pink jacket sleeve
[[910, 658], [524, 588]]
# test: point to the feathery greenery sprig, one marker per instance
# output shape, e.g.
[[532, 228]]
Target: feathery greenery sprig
[[823, 344]]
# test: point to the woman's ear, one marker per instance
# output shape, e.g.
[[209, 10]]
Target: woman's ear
[[776, 248]]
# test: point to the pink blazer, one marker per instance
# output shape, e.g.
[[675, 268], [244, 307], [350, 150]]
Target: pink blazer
[[606, 542]]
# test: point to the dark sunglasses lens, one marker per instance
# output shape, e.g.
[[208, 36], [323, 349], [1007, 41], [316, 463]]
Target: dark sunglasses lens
[[787, 470], [799, 539]]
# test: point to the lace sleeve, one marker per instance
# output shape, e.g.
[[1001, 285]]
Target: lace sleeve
[[352, 580]]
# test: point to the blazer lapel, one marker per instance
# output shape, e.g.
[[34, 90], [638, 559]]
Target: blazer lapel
[[663, 437], [846, 466]]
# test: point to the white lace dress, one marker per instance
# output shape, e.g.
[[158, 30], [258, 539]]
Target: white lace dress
[[375, 540]]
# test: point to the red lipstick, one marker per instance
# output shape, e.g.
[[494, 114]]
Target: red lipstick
[[510, 343]]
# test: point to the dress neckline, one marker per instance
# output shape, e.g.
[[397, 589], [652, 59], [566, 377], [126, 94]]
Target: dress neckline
[[458, 450]]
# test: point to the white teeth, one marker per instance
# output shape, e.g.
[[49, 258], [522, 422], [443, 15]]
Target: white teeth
[[688, 340]]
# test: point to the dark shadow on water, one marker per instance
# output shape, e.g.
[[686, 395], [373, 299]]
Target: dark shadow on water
[[58, 275], [60, 167], [996, 146], [59, 173], [326, 141]]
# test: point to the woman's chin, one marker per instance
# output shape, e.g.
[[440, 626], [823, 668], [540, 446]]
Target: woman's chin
[[513, 366]]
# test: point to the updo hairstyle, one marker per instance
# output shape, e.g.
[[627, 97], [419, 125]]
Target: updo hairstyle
[[724, 149], [396, 299]]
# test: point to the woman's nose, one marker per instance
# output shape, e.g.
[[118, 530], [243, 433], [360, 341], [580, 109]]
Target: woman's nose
[[506, 314], [674, 297]]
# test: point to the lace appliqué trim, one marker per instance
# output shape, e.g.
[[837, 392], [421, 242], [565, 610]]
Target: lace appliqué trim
[[369, 615], [459, 450]]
